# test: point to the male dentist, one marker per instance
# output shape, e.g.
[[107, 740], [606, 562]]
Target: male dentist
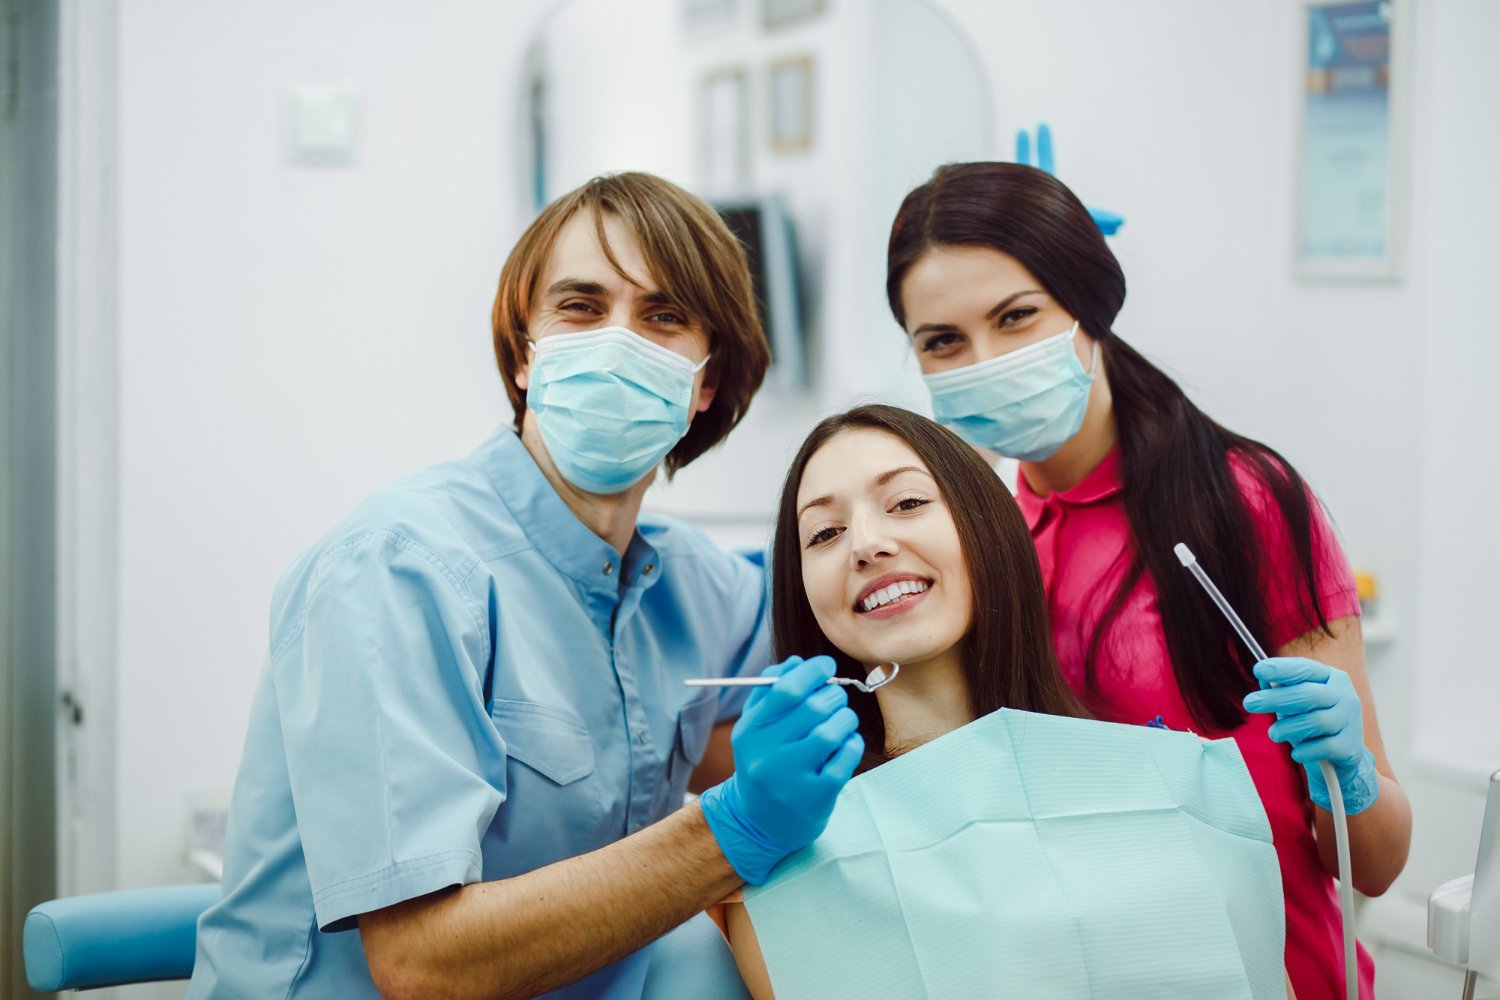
[[466, 761]]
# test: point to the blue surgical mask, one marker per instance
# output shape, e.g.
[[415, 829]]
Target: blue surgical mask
[[1025, 404], [609, 404]]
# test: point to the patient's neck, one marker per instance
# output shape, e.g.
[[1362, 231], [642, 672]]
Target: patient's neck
[[925, 701]]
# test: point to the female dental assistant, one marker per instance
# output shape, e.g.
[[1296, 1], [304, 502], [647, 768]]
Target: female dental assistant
[[1008, 292]]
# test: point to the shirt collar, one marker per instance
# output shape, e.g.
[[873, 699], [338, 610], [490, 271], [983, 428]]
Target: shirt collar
[[1100, 484], [553, 528]]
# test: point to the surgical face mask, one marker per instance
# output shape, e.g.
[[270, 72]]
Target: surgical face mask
[[609, 404], [1025, 404]]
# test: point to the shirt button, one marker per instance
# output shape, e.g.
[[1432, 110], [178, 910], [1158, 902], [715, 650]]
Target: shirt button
[[648, 569], [642, 737], [609, 568]]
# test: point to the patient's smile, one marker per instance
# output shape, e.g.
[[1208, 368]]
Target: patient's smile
[[884, 598]]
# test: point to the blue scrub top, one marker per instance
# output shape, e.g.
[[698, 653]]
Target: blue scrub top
[[464, 684]]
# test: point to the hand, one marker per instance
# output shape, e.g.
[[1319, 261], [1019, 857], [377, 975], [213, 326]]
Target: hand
[[795, 746], [1318, 713]]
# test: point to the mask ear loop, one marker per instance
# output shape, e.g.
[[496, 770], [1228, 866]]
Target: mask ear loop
[[1094, 354]]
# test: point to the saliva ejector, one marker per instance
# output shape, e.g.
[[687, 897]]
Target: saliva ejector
[[1335, 794]]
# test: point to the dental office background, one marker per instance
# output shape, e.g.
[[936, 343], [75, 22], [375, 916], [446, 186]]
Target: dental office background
[[247, 254]]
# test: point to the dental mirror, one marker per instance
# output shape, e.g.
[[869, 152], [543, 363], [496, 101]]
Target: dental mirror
[[877, 678]]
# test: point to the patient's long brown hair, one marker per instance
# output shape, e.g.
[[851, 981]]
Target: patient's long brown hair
[[1008, 659]]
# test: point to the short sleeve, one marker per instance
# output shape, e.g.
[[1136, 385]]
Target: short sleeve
[[1287, 609], [395, 769]]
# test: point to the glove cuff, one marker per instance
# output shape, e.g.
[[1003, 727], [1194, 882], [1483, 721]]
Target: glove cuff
[[1359, 784], [748, 851]]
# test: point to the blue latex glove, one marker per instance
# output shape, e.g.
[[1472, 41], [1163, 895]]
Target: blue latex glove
[[1318, 713], [1108, 222], [795, 746]]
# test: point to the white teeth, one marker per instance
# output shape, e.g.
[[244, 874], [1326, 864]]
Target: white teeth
[[886, 595]]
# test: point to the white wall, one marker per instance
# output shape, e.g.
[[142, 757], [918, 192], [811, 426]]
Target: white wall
[[618, 92], [1459, 472], [292, 337], [1454, 405]]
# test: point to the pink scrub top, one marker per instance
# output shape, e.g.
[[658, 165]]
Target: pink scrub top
[[1082, 540]]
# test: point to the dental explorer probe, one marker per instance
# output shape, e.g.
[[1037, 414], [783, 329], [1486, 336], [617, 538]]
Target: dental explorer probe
[[1335, 794]]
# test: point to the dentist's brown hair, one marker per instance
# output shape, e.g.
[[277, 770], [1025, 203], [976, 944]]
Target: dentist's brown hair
[[694, 258]]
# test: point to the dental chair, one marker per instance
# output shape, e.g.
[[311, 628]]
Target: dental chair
[[1463, 914], [149, 935], [114, 938]]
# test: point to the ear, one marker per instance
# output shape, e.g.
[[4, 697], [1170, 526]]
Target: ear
[[706, 395], [522, 377]]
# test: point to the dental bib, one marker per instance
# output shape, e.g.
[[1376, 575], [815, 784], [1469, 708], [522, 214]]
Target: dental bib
[[1038, 856]]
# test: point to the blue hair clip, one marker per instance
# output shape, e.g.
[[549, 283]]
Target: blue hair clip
[[1108, 222]]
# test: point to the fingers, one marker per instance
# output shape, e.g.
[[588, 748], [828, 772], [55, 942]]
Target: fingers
[[1294, 699], [758, 695], [1044, 160], [1298, 685], [814, 710], [793, 685], [799, 701], [1334, 749], [813, 751], [1291, 670], [845, 759], [1299, 729], [836, 728], [779, 669]]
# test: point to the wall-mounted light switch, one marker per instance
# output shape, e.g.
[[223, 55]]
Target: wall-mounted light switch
[[323, 126]]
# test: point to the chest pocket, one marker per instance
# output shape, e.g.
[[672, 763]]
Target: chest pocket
[[552, 802], [694, 724]]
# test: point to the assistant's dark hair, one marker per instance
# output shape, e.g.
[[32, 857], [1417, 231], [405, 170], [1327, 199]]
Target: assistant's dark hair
[[1007, 653], [1179, 485]]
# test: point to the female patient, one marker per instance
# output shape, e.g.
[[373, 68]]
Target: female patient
[[896, 542]]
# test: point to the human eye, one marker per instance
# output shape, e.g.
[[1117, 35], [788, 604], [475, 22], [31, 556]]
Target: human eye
[[941, 343], [579, 306], [1015, 316], [824, 534], [668, 317], [910, 502]]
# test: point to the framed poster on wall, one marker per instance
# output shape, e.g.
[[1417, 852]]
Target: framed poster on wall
[[778, 14], [1351, 125], [703, 17], [790, 104]]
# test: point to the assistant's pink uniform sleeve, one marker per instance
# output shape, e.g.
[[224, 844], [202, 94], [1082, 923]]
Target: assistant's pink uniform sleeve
[[1288, 611]]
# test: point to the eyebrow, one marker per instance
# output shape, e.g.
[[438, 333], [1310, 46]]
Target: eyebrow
[[879, 480], [582, 286], [575, 286], [999, 308]]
